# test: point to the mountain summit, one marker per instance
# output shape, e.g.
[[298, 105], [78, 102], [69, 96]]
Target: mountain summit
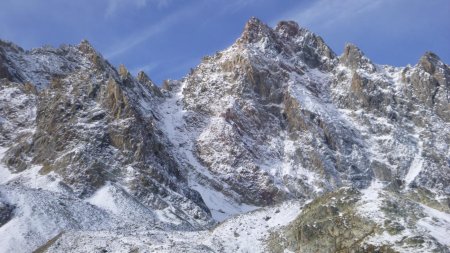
[[275, 144]]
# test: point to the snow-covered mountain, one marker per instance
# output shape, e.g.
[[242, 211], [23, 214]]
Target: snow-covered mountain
[[275, 144]]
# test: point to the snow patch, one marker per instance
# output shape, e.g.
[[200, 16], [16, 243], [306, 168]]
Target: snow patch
[[437, 224], [417, 163], [221, 206], [369, 205], [104, 199]]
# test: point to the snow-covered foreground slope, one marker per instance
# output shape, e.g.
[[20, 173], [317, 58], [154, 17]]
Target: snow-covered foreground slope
[[275, 144], [243, 233]]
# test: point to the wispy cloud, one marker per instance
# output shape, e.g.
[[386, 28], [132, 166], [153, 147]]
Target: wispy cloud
[[324, 13], [146, 68], [233, 6], [152, 30], [115, 5]]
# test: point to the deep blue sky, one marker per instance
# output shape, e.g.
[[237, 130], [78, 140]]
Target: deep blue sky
[[167, 37]]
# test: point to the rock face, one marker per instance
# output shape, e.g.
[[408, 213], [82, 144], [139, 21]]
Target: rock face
[[339, 222], [276, 117], [261, 133], [331, 223], [91, 125]]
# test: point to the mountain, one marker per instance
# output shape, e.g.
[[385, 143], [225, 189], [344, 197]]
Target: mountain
[[275, 144]]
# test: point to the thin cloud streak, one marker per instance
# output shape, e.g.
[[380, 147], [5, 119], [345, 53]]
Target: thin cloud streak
[[146, 68], [389, 32], [151, 31], [114, 5], [325, 13], [235, 6]]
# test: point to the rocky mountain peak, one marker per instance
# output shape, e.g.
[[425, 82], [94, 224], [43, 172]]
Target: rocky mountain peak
[[86, 47], [429, 62], [97, 60], [309, 46], [255, 30], [290, 40], [144, 79], [354, 58], [288, 28], [123, 71]]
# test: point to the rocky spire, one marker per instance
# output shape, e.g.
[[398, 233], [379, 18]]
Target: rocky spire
[[125, 76], [144, 79], [7, 68], [429, 62], [86, 47], [355, 59], [313, 46], [254, 30], [96, 58], [123, 71], [288, 28]]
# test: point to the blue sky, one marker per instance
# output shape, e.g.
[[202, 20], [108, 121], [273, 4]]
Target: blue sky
[[165, 38]]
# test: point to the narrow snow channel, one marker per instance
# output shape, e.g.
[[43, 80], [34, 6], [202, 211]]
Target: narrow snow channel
[[416, 164], [371, 201]]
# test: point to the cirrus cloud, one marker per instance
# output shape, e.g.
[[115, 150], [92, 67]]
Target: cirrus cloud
[[114, 6]]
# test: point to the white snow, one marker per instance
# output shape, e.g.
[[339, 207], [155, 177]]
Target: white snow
[[40, 215], [13, 234], [167, 216], [248, 232], [104, 198], [244, 233], [369, 205], [221, 206], [417, 163], [437, 224], [30, 178]]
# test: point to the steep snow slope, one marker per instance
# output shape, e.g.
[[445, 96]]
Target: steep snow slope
[[222, 203]]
